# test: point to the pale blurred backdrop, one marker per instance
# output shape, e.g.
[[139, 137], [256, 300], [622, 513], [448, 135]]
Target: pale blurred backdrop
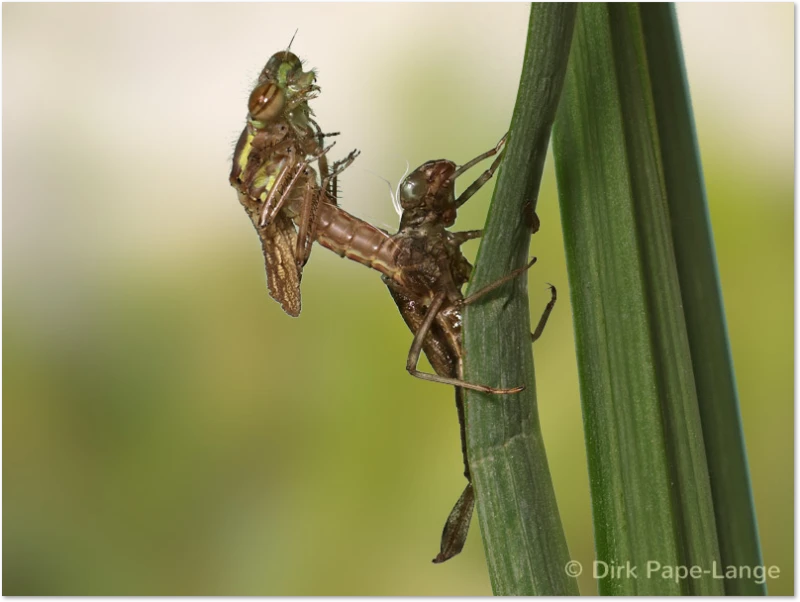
[[167, 429]]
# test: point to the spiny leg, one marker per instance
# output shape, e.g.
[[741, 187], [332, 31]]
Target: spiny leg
[[332, 182], [416, 350], [312, 196]]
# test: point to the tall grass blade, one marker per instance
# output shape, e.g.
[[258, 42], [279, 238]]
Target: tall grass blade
[[702, 299], [649, 478], [526, 550]]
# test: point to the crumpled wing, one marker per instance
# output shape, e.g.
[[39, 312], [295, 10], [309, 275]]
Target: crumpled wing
[[279, 244]]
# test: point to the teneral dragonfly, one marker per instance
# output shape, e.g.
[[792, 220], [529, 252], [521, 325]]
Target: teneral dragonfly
[[272, 172]]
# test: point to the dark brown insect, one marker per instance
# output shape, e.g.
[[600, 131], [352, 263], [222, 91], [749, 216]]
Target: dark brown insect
[[432, 305], [424, 269], [273, 175]]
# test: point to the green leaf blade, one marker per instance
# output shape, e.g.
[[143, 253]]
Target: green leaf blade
[[525, 546], [648, 471], [702, 301]]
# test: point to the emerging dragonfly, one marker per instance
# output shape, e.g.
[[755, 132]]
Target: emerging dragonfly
[[422, 263], [424, 268], [272, 173]]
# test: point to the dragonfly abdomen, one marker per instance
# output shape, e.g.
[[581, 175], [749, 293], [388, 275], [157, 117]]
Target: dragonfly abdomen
[[357, 240]]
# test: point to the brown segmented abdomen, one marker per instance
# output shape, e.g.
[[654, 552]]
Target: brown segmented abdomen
[[356, 239]]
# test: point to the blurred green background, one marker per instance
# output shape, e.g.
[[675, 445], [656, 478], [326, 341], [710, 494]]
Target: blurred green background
[[168, 430]]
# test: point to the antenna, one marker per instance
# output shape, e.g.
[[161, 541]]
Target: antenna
[[289, 47]]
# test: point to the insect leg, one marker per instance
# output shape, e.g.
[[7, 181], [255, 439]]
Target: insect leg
[[484, 177], [269, 211], [331, 183], [497, 283], [461, 237], [303, 97], [494, 285], [307, 222], [545, 314], [323, 160], [268, 216], [473, 162], [416, 350]]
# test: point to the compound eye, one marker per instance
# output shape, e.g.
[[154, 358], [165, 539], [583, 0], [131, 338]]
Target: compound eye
[[266, 102], [289, 58], [281, 61], [412, 190]]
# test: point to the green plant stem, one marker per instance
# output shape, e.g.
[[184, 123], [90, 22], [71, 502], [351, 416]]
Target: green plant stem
[[526, 550]]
